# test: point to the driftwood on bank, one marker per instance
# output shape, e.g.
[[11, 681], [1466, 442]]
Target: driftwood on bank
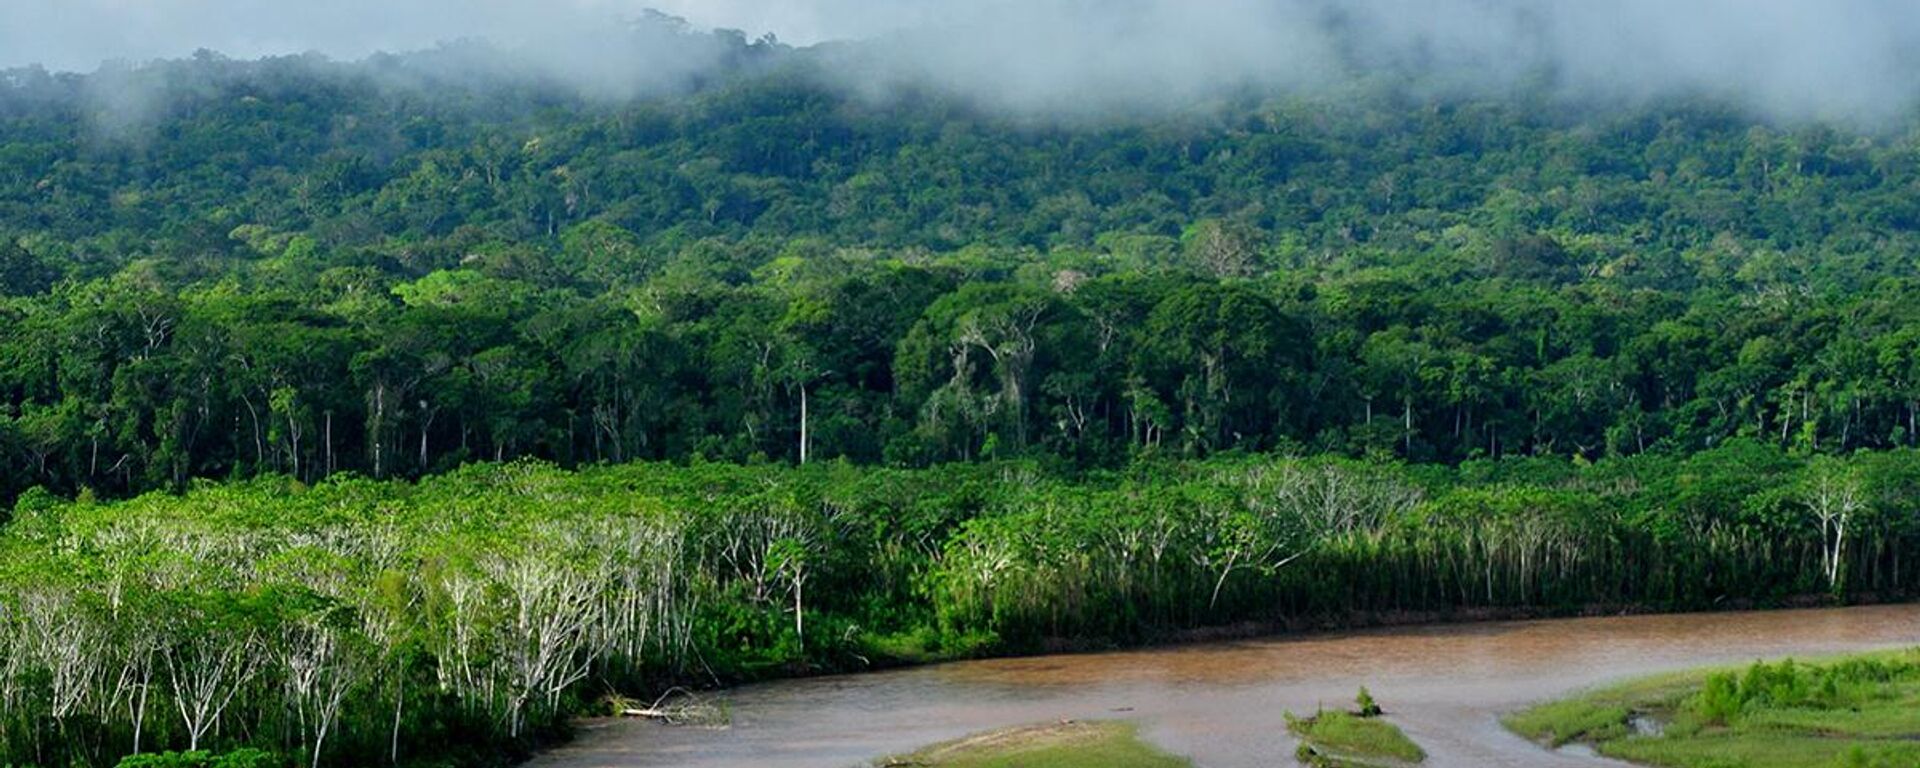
[[688, 709]]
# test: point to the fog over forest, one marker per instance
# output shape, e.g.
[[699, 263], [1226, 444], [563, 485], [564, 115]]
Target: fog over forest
[[1851, 60]]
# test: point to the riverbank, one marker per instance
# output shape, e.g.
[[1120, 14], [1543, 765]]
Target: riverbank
[[1221, 703], [1856, 711]]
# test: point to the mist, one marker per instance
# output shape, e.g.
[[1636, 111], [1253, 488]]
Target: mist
[[1790, 59], [1855, 60]]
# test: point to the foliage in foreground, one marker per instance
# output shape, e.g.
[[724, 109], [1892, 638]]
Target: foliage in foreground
[[464, 618], [1856, 712], [1060, 745]]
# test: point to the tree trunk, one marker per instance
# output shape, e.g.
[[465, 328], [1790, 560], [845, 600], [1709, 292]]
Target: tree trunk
[[399, 702], [426, 425], [1407, 418], [259, 449], [328, 469], [378, 418], [799, 615]]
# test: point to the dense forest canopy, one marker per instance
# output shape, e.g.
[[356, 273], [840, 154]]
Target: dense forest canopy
[[389, 267]]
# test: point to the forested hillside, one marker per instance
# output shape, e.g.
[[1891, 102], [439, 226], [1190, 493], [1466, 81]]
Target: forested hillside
[[217, 268], [392, 412]]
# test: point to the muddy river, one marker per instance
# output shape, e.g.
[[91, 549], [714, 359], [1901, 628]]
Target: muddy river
[[1221, 703]]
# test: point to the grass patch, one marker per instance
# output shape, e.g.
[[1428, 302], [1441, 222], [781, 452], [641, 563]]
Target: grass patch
[[1564, 722], [1359, 739], [1850, 712], [1761, 749], [1055, 745]]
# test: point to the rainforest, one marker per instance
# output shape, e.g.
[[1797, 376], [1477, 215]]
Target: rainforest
[[400, 411]]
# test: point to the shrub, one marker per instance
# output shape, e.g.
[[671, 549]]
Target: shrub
[[239, 758], [1367, 706], [1719, 700]]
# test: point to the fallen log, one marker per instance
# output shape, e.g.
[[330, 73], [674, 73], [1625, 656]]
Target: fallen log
[[693, 712], [656, 714]]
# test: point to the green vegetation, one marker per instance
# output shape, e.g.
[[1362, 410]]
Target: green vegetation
[[366, 422], [298, 268], [1062, 745], [1856, 712], [1365, 705], [1592, 718], [1345, 740], [466, 616], [242, 758], [1358, 739]]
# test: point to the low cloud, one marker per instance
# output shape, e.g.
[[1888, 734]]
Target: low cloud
[[1848, 59]]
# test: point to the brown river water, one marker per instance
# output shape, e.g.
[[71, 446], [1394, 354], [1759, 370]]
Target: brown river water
[[1221, 703]]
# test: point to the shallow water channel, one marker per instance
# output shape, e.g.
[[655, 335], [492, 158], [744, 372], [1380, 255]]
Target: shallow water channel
[[1221, 703]]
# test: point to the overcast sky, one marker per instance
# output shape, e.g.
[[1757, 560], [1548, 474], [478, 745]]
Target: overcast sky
[[1811, 57], [79, 34]]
